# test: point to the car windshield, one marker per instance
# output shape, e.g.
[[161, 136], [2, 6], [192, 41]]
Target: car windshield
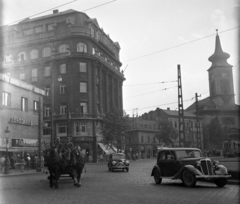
[[188, 154], [118, 156]]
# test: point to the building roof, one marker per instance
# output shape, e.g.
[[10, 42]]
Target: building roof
[[49, 16], [175, 113], [219, 58]]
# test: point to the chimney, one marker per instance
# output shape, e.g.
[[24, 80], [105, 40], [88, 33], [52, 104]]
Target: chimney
[[168, 108], [55, 11]]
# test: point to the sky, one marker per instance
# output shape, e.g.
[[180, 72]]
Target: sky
[[155, 37]]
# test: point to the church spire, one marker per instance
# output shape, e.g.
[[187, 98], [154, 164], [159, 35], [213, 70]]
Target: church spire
[[219, 58]]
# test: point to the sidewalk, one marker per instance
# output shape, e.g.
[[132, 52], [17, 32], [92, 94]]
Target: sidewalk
[[17, 172]]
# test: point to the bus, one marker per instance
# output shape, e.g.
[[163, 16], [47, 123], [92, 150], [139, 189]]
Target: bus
[[231, 148]]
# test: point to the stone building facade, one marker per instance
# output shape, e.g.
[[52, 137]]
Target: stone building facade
[[69, 56]]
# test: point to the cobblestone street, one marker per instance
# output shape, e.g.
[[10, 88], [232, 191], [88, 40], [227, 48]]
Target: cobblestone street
[[99, 186]]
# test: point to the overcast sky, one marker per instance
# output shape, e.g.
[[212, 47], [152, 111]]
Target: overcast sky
[[155, 36]]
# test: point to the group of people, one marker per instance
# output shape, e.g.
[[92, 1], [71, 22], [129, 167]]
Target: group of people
[[64, 149]]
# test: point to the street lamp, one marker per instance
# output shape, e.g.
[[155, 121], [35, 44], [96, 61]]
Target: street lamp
[[7, 161], [52, 101]]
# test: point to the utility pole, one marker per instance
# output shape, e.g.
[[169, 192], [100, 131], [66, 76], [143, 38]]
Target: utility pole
[[40, 126], [198, 122], [181, 126]]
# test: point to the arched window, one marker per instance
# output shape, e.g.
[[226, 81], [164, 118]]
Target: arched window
[[34, 54], [46, 52], [81, 47], [21, 56], [63, 48]]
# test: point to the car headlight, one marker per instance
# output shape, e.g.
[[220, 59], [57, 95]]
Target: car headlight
[[198, 163], [127, 162], [114, 162]]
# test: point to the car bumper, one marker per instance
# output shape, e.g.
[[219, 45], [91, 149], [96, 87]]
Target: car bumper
[[209, 177]]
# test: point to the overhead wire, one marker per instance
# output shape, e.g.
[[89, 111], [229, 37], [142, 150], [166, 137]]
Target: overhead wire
[[178, 45], [59, 7]]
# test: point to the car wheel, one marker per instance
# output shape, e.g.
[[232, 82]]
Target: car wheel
[[157, 177], [112, 169], [188, 178], [221, 182], [109, 169], [127, 169]]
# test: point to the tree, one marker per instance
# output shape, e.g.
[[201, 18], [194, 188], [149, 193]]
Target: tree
[[114, 125], [167, 133], [216, 134]]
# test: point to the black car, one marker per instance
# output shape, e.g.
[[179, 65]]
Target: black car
[[188, 164], [118, 161]]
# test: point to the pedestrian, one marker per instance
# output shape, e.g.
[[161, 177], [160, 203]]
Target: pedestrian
[[101, 158], [23, 163], [28, 161], [2, 164], [136, 156], [90, 159]]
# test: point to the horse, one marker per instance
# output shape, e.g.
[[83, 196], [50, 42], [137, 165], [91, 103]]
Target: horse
[[55, 165], [78, 163]]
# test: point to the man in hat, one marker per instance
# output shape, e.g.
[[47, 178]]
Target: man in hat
[[68, 147]]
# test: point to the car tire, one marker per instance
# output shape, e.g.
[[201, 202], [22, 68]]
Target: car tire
[[127, 169], [156, 175], [112, 169], [221, 182], [109, 169], [188, 178]]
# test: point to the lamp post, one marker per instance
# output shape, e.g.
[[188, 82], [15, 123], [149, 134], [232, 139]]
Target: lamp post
[[7, 161], [52, 102]]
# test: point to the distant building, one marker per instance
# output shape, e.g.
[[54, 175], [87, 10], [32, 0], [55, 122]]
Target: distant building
[[141, 136], [19, 111], [72, 47], [221, 101]]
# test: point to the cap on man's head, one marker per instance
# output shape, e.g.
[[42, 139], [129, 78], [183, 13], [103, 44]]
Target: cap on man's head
[[58, 138]]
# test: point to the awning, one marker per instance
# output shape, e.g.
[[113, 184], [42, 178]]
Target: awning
[[107, 149]]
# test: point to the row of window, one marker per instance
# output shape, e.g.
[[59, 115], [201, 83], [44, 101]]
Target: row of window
[[80, 128], [63, 109], [6, 101], [46, 52], [47, 71]]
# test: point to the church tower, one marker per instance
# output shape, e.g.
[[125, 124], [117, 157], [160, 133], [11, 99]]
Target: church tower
[[220, 78]]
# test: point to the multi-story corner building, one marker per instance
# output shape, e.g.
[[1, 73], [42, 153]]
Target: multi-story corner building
[[69, 56], [19, 117], [220, 102], [141, 138]]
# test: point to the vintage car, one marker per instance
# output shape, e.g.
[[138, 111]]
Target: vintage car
[[118, 161], [189, 165]]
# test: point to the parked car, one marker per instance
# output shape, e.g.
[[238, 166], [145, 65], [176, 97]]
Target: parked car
[[118, 161], [189, 165]]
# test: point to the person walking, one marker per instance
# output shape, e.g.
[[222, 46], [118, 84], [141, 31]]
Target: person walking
[[2, 164], [23, 163]]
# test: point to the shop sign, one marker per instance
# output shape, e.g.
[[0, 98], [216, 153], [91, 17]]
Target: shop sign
[[20, 121], [83, 138], [24, 143]]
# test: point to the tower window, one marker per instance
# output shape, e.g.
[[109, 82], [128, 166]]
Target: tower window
[[225, 86]]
